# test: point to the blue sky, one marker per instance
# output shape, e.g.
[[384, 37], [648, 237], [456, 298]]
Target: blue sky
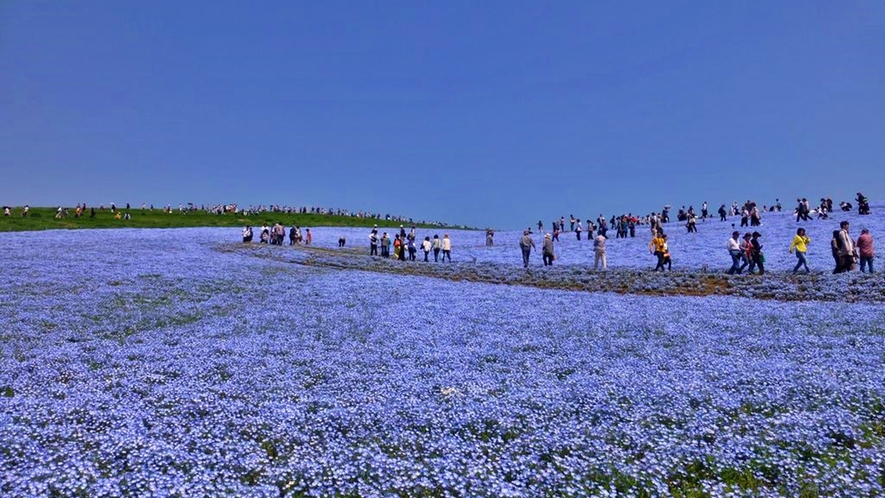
[[481, 113]]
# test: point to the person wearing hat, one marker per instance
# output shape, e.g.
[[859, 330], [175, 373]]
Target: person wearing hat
[[526, 244], [756, 256], [547, 250]]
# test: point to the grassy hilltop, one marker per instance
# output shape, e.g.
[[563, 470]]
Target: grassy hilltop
[[41, 218]]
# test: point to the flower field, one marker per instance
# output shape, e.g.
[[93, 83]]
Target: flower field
[[182, 363]]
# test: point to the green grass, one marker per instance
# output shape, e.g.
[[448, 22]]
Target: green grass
[[44, 219]]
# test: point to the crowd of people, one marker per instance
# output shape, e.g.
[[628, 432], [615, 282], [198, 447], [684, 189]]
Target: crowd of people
[[405, 245], [276, 235], [745, 250]]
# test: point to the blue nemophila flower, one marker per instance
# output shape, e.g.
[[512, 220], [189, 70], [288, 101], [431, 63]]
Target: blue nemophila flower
[[161, 362]]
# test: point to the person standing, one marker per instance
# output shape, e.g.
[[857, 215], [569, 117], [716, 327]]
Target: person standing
[[578, 229], [845, 249], [437, 246], [247, 234], [398, 253], [734, 250], [800, 245], [865, 250], [834, 248], [599, 251], [446, 248], [526, 244], [547, 250], [426, 246], [385, 245], [373, 243], [413, 249]]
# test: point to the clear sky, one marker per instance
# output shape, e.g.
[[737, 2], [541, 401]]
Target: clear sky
[[482, 113]]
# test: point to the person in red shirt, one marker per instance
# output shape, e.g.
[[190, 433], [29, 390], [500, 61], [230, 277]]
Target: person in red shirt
[[865, 250]]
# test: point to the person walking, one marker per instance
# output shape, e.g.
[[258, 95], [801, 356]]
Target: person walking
[[446, 248], [865, 250], [547, 250], [734, 250], [656, 247], [757, 258], [578, 229], [437, 246], [800, 245], [526, 244], [666, 250], [599, 251]]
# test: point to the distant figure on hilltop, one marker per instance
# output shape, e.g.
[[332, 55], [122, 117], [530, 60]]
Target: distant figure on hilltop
[[863, 204], [802, 210]]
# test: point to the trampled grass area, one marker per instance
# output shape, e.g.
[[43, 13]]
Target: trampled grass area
[[41, 218]]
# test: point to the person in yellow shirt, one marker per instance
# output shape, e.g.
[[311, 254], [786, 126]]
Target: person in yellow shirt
[[800, 245], [658, 247]]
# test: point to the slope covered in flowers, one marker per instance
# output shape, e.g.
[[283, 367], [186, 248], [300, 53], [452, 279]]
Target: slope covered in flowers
[[149, 362]]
